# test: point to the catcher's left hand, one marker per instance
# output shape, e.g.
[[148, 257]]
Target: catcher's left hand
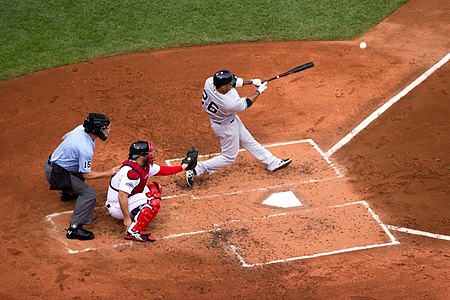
[[190, 159]]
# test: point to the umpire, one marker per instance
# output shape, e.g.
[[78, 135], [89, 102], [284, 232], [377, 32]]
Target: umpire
[[69, 166]]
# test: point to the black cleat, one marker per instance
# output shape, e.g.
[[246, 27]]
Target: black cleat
[[76, 232]]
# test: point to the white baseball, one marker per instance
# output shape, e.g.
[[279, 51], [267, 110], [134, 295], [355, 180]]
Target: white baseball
[[363, 45]]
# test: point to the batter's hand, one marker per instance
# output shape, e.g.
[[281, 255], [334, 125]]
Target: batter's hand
[[256, 82], [262, 88]]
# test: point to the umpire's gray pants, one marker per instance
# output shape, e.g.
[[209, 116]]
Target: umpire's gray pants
[[83, 211]]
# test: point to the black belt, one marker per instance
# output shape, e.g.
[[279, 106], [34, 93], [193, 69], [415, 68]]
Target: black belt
[[222, 123], [77, 174]]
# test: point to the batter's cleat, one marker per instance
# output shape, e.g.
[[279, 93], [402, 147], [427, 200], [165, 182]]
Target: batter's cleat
[[78, 233], [139, 236], [283, 164], [67, 196], [190, 174]]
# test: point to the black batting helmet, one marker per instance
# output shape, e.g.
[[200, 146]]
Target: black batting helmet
[[95, 123], [223, 77], [142, 148]]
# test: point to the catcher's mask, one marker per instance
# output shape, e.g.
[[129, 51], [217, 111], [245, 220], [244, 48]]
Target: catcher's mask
[[142, 148], [97, 124], [223, 77]]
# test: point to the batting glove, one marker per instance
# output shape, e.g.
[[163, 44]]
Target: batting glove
[[262, 87], [256, 82]]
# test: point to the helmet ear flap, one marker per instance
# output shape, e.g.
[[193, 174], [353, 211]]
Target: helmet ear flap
[[151, 151]]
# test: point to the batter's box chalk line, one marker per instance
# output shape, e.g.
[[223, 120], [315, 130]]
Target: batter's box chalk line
[[336, 170], [234, 249], [54, 231]]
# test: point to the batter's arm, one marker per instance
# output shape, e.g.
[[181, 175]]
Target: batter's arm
[[250, 100]]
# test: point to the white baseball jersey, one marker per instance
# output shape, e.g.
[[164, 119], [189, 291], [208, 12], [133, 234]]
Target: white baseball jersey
[[221, 108], [121, 182]]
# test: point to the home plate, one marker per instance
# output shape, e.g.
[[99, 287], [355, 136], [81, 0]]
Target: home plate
[[282, 199]]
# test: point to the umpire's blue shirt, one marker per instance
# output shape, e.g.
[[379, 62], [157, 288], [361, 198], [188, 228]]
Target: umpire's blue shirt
[[76, 151]]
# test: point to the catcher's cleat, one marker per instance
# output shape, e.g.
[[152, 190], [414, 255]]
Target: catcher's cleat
[[78, 233], [190, 174], [139, 236], [283, 164]]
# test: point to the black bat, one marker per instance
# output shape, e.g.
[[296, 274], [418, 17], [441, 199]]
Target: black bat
[[292, 71]]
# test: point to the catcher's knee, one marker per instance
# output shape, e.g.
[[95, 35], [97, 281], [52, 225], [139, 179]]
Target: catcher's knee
[[155, 191]]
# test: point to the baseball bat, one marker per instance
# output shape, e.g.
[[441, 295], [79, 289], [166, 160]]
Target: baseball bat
[[292, 71]]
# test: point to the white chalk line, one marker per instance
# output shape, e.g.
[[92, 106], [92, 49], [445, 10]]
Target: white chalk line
[[309, 141], [169, 161], [246, 265], [267, 188], [419, 232], [234, 249], [50, 217], [386, 106]]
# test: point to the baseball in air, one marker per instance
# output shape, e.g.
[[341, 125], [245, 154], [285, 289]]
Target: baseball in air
[[363, 45]]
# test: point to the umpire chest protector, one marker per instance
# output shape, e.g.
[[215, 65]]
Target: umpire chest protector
[[137, 172]]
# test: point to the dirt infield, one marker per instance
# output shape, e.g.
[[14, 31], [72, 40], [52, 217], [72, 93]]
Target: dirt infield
[[218, 241]]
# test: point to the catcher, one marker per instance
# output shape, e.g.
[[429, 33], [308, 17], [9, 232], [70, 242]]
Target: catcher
[[134, 201]]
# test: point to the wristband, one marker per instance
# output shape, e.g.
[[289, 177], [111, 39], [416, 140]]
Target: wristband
[[259, 93], [239, 82]]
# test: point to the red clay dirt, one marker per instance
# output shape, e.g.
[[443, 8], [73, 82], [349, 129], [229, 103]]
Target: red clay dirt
[[399, 164]]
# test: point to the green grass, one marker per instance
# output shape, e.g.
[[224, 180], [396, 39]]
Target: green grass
[[40, 34]]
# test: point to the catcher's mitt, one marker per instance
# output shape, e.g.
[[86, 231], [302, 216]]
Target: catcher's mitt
[[190, 159]]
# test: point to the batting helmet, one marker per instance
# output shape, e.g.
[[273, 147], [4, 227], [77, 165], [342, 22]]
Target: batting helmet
[[142, 148], [224, 77], [95, 123]]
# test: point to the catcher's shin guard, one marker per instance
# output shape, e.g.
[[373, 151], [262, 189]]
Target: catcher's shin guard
[[144, 217]]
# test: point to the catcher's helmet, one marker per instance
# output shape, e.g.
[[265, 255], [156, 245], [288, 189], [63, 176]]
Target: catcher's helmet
[[95, 123], [223, 77], [142, 148]]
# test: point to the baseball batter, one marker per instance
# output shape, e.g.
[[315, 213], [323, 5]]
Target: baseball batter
[[130, 198], [221, 102]]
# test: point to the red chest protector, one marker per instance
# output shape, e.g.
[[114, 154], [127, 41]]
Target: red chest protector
[[137, 172]]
